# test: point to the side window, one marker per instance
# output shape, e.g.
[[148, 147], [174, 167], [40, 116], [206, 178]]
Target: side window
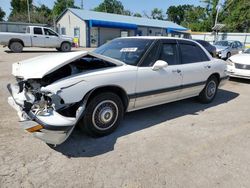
[[151, 56], [38, 31], [234, 45], [192, 54], [49, 32], [239, 44], [169, 54]]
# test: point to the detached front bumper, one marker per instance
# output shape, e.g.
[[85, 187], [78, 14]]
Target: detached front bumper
[[51, 127]]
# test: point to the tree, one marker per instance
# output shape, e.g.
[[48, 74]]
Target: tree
[[137, 15], [236, 16], [175, 14], [110, 6], [2, 14], [211, 10], [194, 17], [42, 14], [19, 10], [61, 5], [157, 14]]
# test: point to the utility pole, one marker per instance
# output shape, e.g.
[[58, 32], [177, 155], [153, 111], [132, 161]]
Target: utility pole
[[81, 4], [28, 6]]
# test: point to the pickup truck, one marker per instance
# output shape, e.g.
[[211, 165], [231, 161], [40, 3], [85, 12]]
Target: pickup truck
[[35, 37]]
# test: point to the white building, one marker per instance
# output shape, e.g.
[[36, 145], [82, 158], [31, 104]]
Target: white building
[[96, 28]]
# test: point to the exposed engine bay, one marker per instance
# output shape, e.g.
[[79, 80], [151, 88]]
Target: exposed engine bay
[[40, 103]]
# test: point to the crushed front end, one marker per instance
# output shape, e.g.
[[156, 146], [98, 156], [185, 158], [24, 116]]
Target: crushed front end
[[41, 113]]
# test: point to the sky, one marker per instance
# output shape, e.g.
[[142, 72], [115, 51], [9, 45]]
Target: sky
[[132, 5]]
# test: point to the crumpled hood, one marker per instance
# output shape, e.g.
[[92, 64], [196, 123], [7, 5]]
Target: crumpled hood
[[241, 59], [40, 66], [220, 48]]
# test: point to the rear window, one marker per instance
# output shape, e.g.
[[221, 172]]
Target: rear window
[[38, 31]]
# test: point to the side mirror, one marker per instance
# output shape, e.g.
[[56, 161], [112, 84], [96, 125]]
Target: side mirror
[[159, 64], [241, 52]]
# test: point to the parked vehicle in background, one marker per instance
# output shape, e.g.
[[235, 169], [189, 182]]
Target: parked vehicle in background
[[227, 48], [95, 89], [239, 65], [209, 47], [36, 37]]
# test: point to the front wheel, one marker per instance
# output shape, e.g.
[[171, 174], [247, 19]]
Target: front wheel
[[65, 47], [228, 55], [103, 115], [208, 93]]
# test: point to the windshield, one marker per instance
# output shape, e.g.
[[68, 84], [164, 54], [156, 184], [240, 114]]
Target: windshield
[[128, 50], [222, 43], [247, 51]]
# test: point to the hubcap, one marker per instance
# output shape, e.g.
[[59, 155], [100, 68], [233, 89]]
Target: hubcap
[[105, 115], [211, 89]]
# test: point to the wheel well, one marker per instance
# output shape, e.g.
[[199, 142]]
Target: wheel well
[[16, 40], [114, 89], [217, 75], [64, 42]]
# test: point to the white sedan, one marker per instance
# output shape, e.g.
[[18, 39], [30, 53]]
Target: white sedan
[[54, 93], [239, 65]]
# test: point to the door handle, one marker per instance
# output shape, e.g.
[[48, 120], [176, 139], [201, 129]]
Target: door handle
[[34, 36], [177, 70], [47, 37]]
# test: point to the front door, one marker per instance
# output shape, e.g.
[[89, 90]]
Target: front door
[[159, 86], [51, 38]]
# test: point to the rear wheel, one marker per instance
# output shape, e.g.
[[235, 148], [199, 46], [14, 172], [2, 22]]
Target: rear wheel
[[65, 47], [208, 93], [16, 47], [103, 114]]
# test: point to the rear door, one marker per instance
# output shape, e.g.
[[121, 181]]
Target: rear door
[[234, 48], [195, 68], [38, 38], [159, 86], [51, 38]]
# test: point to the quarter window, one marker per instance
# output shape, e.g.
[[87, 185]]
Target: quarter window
[[192, 54], [38, 31]]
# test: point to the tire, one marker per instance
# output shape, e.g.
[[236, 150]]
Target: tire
[[209, 92], [16, 47], [103, 115], [228, 55], [65, 47]]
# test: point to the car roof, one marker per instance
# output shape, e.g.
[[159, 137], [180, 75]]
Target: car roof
[[156, 37]]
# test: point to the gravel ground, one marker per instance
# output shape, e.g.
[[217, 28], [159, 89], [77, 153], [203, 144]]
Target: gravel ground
[[181, 144]]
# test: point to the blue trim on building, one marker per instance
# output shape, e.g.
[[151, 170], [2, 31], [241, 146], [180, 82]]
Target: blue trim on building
[[174, 30], [108, 24]]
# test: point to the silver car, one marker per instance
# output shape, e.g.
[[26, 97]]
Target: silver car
[[227, 48]]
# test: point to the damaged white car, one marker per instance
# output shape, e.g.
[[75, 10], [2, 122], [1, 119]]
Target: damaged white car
[[54, 93]]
